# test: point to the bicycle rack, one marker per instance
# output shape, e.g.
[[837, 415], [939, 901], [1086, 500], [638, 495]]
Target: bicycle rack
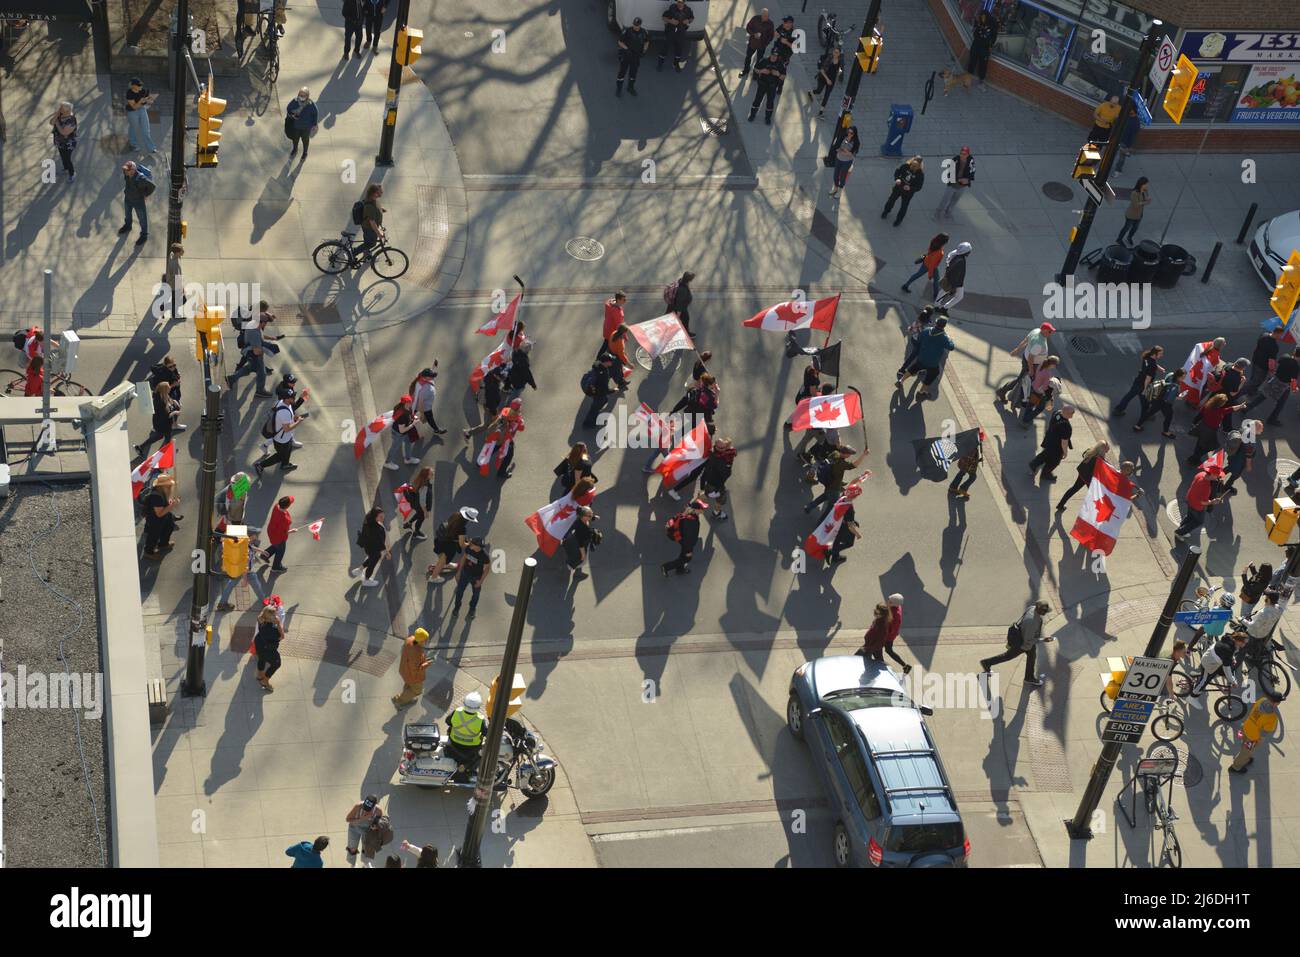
[[1163, 769]]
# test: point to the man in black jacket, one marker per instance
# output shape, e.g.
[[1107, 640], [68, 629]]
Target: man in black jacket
[[770, 75], [633, 44], [687, 537], [828, 70], [1262, 360], [521, 370], [353, 23], [985, 35], [677, 21], [760, 30], [682, 298], [602, 373], [1055, 444], [908, 180]]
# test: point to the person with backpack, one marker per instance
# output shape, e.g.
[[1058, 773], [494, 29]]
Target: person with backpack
[[449, 540], [928, 265], [831, 472], [1023, 638], [286, 389], [369, 215], [404, 435], [63, 125], [136, 188], [418, 494], [908, 180], [931, 349], [372, 540], [254, 351], [684, 529], [300, 118], [166, 411], [266, 644], [700, 400], [953, 282], [279, 427], [828, 71], [598, 383], [844, 155], [1158, 398], [677, 296], [1149, 370]]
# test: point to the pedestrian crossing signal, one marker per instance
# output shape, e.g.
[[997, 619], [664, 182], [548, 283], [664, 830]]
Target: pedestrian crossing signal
[[408, 45], [210, 107], [1282, 522], [869, 54], [1180, 88], [234, 552], [1287, 292], [1088, 162], [207, 330]]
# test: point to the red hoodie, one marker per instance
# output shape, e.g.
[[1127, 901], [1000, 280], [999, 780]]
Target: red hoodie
[[1199, 494]]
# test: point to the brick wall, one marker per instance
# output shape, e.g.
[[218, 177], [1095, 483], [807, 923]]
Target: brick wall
[[1160, 138], [1221, 14]]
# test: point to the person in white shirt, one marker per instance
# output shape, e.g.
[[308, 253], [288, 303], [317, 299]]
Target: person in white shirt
[[1032, 350], [1261, 623], [284, 421]]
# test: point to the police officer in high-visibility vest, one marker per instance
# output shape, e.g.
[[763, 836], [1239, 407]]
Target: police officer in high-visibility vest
[[769, 75], [465, 727], [633, 44]]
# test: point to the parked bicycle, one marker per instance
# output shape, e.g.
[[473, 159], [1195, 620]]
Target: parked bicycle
[[1160, 807], [335, 255], [60, 384], [269, 33], [828, 33]]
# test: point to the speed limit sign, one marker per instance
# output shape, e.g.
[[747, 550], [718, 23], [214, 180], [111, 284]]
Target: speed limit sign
[[1146, 678]]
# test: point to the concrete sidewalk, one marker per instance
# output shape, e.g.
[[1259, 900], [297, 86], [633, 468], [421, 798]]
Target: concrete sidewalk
[[256, 217]]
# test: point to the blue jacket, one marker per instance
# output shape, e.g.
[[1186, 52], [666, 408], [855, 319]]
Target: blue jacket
[[304, 118], [304, 856], [934, 343]]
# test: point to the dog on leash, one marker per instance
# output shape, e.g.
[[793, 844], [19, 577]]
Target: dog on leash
[[956, 77]]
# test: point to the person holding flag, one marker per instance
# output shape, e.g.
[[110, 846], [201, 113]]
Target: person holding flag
[[423, 391], [796, 314], [500, 441], [405, 435], [831, 474], [681, 464], [278, 529], [551, 523], [838, 530], [164, 458], [503, 321], [700, 400], [418, 497], [684, 529], [1201, 363], [166, 411]]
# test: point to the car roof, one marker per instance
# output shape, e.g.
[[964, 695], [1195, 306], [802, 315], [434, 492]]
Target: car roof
[[906, 762], [843, 672]]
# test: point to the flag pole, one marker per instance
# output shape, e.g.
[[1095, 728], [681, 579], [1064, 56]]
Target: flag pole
[[515, 322]]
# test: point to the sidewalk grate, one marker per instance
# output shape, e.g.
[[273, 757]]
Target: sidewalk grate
[[1046, 756], [1086, 345], [584, 249], [714, 125], [434, 235], [1058, 192]]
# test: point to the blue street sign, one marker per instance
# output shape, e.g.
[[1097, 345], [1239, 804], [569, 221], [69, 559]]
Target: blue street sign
[[1203, 617], [1127, 709], [1144, 114]]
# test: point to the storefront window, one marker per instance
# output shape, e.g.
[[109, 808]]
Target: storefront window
[[1099, 74], [1035, 39]]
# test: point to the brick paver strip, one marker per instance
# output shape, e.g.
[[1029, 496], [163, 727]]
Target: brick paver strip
[[433, 237]]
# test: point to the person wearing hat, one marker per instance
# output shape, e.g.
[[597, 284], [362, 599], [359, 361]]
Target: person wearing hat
[[684, 529], [1031, 350], [963, 174], [759, 32], [578, 540], [254, 348], [358, 821], [414, 663], [405, 435], [423, 391], [449, 539], [278, 530], [465, 727], [475, 563], [138, 101], [283, 422], [1199, 495], [677, 22], [1023, 638], [842, 460], [769, 75], [633, 43], [784, 44], [1261, 721]]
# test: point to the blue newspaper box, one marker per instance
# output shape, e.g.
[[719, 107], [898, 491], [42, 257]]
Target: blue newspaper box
[[900, 123]]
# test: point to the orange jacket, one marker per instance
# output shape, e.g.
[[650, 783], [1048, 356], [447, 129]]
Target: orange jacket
[[413, 663]]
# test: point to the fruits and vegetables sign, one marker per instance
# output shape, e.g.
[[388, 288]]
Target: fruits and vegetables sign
[[1271, 95]]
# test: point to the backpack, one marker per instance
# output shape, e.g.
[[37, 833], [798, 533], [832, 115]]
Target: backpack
[[823, 473], [358, 212], [147, 186], [268, 427], [1156, 389], [588, 382], [673, 527], [20, 338], [670, 293]]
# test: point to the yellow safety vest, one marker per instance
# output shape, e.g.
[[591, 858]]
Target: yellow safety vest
[[466, 728], [1260, 722]]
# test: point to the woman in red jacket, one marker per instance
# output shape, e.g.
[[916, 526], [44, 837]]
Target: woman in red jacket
[[879, 640], [1206, 425], [35, 376]]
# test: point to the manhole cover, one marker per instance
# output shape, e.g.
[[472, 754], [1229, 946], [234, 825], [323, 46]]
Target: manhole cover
[[584, 248], [1058, 192], [714, 126], [1085, 344]]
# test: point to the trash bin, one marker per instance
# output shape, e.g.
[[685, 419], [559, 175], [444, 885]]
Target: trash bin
[[900, 123], [1175, 261], [1146, 260], [1115, 264]]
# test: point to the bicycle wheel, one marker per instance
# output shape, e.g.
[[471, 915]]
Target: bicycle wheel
[[14, 381], [1105, 701], [1171, 852], [273, 67], [389, 262], [1273, 677], [331, 257], [69, 388], [1229, 707], [1182, 684], [1167, 727]]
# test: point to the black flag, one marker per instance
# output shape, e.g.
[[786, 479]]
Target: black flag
[[934, 457], [828, 360]]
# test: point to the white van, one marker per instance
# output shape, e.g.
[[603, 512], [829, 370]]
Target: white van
[[621, 13]]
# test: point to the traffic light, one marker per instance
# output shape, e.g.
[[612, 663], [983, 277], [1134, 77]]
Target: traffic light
[[1282, 522], [207, 329], [869, 51], [1088, 162], [210, 107], [1287, 291], [1180, 88], [408, 45], [519, 686], [234, 551]]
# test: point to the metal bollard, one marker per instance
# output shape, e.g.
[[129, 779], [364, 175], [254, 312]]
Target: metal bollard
[[1209, 266], [1245, 227]]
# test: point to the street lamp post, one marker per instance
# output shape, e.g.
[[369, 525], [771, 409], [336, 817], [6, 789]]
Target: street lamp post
[[855, 80], [386, 135], [200, 591], [1079, 236], [180, 79]]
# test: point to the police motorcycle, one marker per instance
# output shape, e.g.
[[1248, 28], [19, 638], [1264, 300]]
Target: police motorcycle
[[426, 763]]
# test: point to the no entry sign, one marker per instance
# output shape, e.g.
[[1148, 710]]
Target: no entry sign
[[1163, 64]]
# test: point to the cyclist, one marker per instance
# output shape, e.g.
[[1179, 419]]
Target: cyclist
[[372, 217], [1223, 656]]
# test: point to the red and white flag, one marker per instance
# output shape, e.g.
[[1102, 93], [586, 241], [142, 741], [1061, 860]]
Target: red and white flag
[[1200, 363], [827, 412], [404, 508], [503, 320], [366, 437], [687, 456], [661, 334], [822, 538], [497, 357], [659, 432], [798, 314], [314, 528], [1107, 504], [1216, 460], [164, 458], [552, 522], [500, 439]]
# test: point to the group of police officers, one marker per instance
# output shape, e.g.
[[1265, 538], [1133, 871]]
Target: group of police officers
[[634, 43]]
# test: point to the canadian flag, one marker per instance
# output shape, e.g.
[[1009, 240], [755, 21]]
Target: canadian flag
[[687, 456], [1200, 363], [821, 539], [1216, 460], [164, 458], [1104, 508], [371, 432], [827, 412], [404, 508], [661, 334], [497, 357], [502, 320], [500, 439], [799, 314], [552, 522], [658, 431], [315, 527]]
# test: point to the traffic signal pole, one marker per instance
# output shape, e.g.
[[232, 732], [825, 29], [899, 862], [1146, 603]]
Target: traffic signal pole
[[1080, 828], [855, 80], [470, 851], [181, 42], [1150, 43], [385, 157], [200, 593]]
